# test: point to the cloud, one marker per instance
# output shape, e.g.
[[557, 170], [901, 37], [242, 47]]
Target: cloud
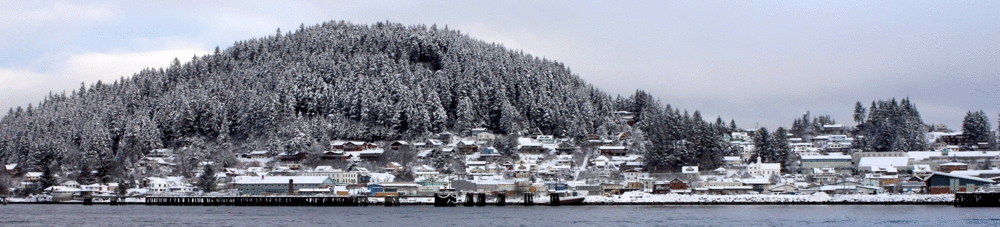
[[109, 67], [20, 86], [30, 14], [18, 81]]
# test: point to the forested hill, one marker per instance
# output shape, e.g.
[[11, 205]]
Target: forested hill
[[301, 89]]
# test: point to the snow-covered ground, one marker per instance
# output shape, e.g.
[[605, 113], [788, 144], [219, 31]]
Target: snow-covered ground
[[646, 198], [819, 197]]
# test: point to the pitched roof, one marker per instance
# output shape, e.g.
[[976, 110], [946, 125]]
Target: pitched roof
[[883, 161], [961, 176], [281, 180], [826, 157]]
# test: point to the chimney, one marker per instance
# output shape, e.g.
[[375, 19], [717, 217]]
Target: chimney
[[290, 188]]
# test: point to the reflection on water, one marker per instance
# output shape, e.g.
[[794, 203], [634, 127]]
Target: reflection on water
[[717, 215]]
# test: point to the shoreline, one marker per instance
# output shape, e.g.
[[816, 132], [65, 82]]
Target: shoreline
[[627, 199], [379, 204]]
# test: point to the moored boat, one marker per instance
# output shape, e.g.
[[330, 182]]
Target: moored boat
[[572, 200]]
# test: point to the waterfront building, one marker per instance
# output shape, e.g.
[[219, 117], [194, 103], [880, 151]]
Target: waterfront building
[[280, 184]]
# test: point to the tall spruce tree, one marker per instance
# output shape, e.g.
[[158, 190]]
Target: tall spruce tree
[[763, 146], [782, 152], [893, 126], [976, 128], [206, 182]]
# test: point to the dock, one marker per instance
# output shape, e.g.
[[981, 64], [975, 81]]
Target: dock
[[259, 201], [977, 199]]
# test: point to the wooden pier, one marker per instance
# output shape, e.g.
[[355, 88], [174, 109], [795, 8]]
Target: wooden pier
[[977, 199], [260, 201]]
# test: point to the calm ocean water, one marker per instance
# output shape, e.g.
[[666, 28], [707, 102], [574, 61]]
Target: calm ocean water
[[715, 215]]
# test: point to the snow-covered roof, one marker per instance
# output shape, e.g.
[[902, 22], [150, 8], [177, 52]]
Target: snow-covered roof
[[976, 173], [369, 151], [626, 158], [954, 164], [399, 184], [757, 180], [258, 152], [973, 153], [281, 180], [963, 177], [922, 155], [424, 153], [826, 157], [731, 158], [883, 161], [922, 168], [10, 167], [476, 163], [611, 148], [689, 169]]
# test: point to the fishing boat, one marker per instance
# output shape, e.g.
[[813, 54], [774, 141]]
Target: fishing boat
[[565, 197], [572, 200], [446, 198]]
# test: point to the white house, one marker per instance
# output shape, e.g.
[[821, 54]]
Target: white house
[[690, 172], [632, 175], [336, 175], [157, 185], [763, 169]]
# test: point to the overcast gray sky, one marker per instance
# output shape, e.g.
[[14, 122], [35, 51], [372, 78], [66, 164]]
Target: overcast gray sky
[[758, 63]]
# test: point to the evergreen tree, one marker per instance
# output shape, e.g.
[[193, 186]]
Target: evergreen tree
[[86, 176], [206, 182], [782, 152], [859, 113], [48, 178], [763, 146], [892, 126], [334, 80], [976, 128], [123, 187]]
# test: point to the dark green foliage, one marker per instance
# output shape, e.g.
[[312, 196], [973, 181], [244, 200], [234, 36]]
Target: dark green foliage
[[976, 128], [782, 153], [673, 140], [290, 91], [48, 178], [206, 182], [763, 146], [123, 187], [891, 126], [806, 128], [86, 176], [859, 113]]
